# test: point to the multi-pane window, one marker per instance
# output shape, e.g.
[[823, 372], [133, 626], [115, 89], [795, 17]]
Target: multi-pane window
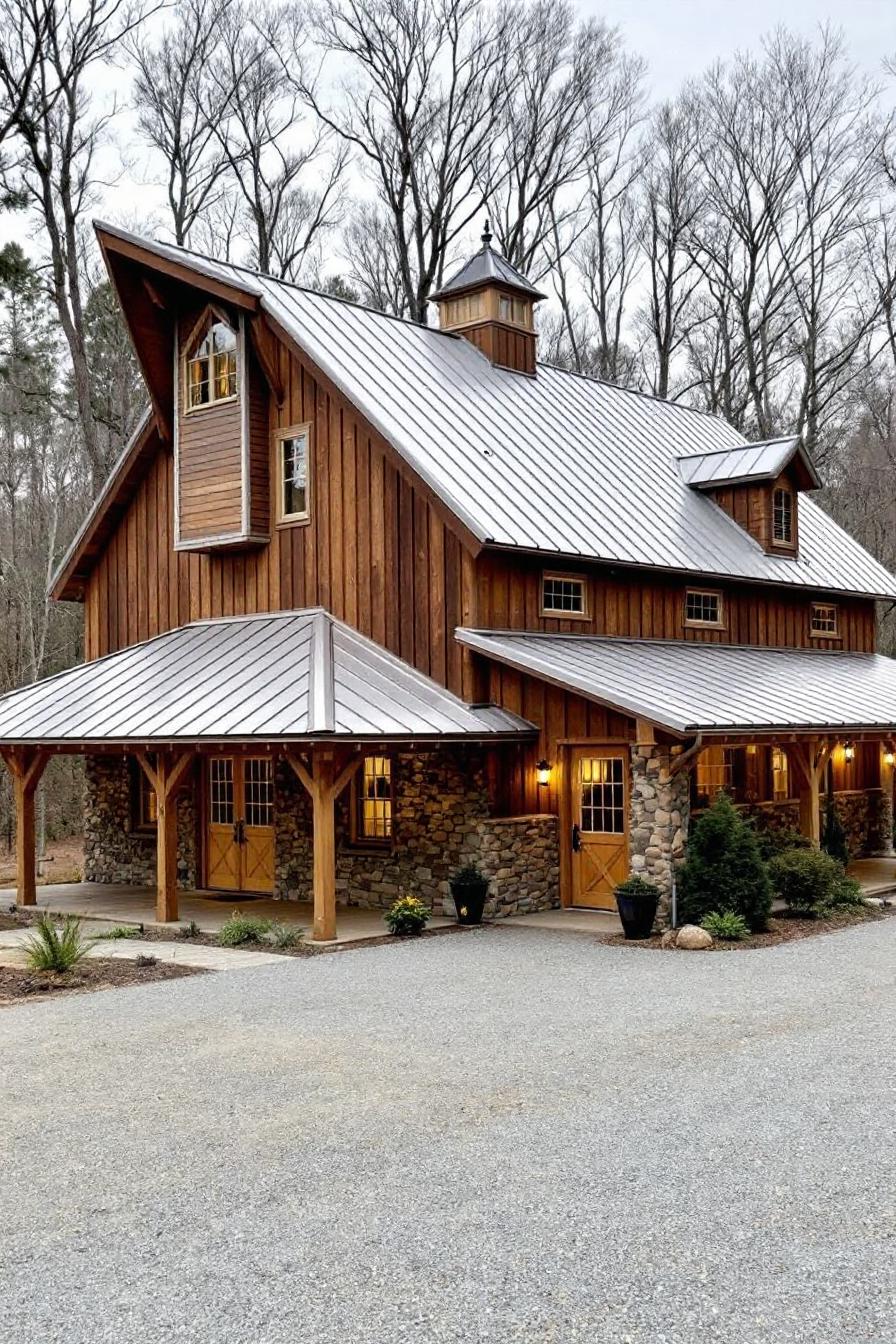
[[603, 795], [220, 793], [373, 802], [780, 775], [782, 517], [258, 791], [211, 370], [715, 772], [562, 596], [145, 810], [702, 607], [824, 619], [292, 447]]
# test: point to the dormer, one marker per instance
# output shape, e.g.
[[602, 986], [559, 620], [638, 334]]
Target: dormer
[[491, 304], [758, 485], [221, 494]]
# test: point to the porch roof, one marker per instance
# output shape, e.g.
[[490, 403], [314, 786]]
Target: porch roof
[[689, 687], [298, 675]]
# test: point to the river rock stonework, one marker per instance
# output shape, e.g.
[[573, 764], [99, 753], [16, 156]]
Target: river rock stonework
[[659, 812], [441, 823], [114, 851]]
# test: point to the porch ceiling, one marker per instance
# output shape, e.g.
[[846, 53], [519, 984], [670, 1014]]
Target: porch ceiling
[[710, 688], [291, 676]]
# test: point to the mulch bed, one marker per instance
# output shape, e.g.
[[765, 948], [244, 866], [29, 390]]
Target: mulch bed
[[782, 928], [18, 982]]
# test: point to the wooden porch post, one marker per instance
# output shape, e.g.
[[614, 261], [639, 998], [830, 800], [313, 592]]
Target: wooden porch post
[[26, 765], [166, 776], [810, 759], [324, 781]]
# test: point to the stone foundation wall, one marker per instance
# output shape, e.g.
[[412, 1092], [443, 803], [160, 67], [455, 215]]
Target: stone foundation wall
[[114, 851], [521, 858], [659, 815]]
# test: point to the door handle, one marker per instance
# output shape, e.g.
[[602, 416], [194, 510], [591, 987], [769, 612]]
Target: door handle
[[239, 832], [576, 839]]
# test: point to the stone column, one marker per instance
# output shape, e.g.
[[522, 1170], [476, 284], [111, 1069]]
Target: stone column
[[660, 808]]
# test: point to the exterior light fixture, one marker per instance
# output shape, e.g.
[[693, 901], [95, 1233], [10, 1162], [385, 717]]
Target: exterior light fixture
[[889, 756], [849, 751], [543, 773]]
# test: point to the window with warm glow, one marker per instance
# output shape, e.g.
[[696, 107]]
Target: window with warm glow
[[824, 619], [144, 811], [702, 607], [782, 518], [211, 369], [292, 470], [373, 801], [715, 772], [780, 775]]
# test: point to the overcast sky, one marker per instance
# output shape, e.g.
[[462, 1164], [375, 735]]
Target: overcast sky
[[681, 38]]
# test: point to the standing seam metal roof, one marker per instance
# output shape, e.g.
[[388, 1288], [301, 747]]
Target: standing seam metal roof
[[289, 675], [693, 687], [559, 463]]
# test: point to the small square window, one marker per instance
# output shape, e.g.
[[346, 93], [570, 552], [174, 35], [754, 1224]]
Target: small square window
[[562, 595], [702, 607], [782, 518], [292, 469], [824, 620]]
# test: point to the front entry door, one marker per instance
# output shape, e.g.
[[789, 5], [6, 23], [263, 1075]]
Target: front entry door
[[241, 823], [600, 858]]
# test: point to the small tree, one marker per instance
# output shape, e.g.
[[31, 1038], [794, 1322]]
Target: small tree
[[724, 869], [834, 839]]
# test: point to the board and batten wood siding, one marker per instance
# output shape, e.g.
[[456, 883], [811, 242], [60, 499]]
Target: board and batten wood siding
[[752, 508], [652, 607], [376, 553]]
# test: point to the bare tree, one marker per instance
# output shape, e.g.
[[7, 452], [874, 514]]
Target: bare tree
[[261, 139], [375, 261], [426, 86], [180, 108], [58, 135], [23, 30]]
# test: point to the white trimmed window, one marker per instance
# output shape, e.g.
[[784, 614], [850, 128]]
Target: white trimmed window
[[563, 595], [292, 474], [702, 606], [824, 620], [211, 369], [782, 517]]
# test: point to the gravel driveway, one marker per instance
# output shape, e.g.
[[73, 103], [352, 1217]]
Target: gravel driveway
[[509, 1135]]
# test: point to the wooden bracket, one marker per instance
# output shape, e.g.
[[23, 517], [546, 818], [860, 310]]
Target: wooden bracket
[[26, 765], [324, 779]]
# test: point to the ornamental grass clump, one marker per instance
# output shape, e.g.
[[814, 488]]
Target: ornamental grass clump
[[407, 916], [724, 870], [53, 949], [242, 928]]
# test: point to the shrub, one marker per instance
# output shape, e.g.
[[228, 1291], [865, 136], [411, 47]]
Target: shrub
[[772, 842], [242, 928], [726, 926], [833, 840], [637, 886], [145, 960], [285, 935], [467, 875], [120, 931], [847, 895], [724, 870], [191, 930], [407, 916], [807, 880], [52, 949]]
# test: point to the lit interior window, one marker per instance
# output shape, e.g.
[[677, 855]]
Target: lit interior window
[[211, 372]]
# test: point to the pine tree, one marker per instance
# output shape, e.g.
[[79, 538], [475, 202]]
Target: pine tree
[[724, 869]]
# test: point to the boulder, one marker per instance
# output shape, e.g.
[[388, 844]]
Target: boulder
[[692, 938]]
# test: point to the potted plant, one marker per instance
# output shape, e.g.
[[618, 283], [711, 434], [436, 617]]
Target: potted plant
[[637, 901], [470, 892], [407, 917]]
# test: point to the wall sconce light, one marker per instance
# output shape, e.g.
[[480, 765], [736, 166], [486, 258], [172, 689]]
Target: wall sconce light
[[543, 773], [849, 752], [889, 756]]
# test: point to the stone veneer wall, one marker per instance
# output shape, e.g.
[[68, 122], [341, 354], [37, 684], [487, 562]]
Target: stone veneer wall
[[441, 822], [659, 814], [113, 850]]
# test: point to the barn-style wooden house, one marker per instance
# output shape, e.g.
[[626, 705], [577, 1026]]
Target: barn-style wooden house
[[365, 601]]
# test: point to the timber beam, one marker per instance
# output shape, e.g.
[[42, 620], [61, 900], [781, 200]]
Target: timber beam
[[324, 774], [166, 775], [26, 765]]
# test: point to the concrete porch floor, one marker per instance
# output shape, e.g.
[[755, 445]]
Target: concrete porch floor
[[120, 904], [876, 876]]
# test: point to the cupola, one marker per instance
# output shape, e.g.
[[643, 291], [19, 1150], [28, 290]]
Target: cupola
[[490, 303]]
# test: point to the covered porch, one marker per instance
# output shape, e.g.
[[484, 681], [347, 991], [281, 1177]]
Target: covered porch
[[297, 695]]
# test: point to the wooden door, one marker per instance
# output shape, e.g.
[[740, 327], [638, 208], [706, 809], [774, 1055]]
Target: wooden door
[[241, 824], [600, 858]]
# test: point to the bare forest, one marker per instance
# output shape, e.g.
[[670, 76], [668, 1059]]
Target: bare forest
[[733, 248]]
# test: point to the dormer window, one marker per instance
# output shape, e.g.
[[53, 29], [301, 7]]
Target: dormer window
[[782, 517], [703, 607], [824, 620], [211, 369]]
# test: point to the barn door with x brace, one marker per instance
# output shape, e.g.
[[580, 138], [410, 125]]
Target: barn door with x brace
[[600, 857], [241, 823]]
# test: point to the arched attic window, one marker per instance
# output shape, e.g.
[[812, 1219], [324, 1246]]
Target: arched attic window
[[211, 364]]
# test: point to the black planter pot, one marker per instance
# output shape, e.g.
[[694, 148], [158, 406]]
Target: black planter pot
[[469, 900], [637, 911]]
